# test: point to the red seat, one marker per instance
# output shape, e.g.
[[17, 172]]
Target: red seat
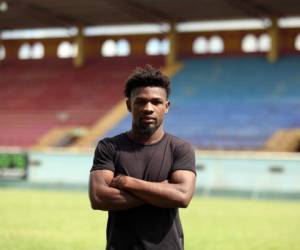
[[37, 95]]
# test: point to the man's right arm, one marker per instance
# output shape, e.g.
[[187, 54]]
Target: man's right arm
[[104, 197]]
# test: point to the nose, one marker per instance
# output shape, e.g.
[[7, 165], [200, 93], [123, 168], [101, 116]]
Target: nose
[[148, 107]]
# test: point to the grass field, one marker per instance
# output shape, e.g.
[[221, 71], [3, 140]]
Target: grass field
[[38, 220]]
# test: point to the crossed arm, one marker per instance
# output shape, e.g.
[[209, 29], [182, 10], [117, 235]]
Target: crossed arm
[[123, 192]]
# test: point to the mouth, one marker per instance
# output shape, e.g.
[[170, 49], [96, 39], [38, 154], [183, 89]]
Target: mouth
[[148, 119]]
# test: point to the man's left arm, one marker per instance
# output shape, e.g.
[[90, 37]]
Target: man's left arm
[[176, 192]]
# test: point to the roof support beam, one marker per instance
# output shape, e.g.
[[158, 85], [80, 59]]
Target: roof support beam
[[273, 54], [79, 59], [171, 57]]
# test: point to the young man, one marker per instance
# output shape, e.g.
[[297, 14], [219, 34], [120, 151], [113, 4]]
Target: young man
[[141, 177]]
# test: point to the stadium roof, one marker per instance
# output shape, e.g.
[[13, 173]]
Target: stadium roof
[[27, 14]]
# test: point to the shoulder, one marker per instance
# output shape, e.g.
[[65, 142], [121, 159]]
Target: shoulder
[[178, 143], [111, 144], [105, 152], [115, 140], [183, 154]]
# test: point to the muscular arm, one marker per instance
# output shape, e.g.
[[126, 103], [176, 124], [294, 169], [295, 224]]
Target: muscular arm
[[177, 192], [104, 197]]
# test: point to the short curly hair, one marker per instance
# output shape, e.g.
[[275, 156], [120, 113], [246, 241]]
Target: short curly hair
[[147, 77]]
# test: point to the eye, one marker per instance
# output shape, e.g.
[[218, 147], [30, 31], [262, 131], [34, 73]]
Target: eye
[[157, 102], [139, 102]]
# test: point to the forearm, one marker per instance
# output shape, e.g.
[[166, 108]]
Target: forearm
[[113, 199], [161, 194]]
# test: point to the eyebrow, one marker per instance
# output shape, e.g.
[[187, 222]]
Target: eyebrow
[[150, 99]]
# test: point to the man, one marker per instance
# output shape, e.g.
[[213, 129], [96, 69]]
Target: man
[[143, 176]]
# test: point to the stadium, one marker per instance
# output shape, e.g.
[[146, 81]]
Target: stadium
[[234, 68]]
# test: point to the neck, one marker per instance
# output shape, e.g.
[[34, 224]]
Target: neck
[[142, 138]]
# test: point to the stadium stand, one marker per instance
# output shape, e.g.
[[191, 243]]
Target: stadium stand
[[232, 102], [39, 95]]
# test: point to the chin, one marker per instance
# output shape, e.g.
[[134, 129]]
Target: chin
[[147, 130]]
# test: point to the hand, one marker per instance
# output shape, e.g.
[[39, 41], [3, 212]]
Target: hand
[[118, 181]]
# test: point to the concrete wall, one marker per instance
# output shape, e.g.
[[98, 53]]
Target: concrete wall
[[59, 168], [240, 171], [249, 172]]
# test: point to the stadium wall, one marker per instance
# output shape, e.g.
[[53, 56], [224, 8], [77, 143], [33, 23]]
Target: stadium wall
[[256, 175]]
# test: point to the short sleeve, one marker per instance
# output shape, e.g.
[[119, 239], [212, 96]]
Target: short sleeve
[[184, 158], [104, 156]]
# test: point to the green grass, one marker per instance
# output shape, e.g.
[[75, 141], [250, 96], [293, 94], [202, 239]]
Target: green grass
[[38, 220]]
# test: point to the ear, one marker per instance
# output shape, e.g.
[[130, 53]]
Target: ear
[[168, 103], [128, 104]]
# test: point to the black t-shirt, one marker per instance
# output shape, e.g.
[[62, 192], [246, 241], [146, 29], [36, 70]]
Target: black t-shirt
[[145, 227]]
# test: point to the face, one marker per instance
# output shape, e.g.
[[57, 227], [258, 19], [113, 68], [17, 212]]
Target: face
[[148, 106]]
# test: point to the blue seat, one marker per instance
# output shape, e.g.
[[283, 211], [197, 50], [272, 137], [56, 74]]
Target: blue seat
[[232, 103]]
